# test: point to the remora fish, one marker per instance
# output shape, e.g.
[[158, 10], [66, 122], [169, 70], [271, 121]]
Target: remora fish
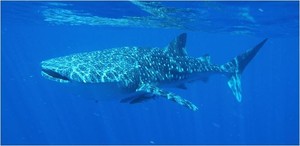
[[139, 74]]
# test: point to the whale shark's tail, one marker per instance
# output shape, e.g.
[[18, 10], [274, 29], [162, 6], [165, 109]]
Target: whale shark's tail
[[236, 66]]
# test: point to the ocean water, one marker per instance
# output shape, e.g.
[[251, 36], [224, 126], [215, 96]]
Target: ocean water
[[35, 110]]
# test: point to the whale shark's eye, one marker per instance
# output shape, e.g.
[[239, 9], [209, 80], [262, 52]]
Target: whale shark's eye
[[54, 74]]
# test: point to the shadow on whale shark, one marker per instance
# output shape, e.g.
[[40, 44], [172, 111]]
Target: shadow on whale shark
[[136, 74]]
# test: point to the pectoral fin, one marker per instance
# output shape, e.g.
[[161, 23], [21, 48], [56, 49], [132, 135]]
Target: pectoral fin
[[169, 95]]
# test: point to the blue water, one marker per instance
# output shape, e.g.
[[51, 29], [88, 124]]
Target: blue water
[[39, 111]]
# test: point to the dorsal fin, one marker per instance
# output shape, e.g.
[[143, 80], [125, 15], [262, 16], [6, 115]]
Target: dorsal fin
[[177, 46]]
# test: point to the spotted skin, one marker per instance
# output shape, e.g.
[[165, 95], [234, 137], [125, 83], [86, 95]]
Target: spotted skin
[[139, 69]]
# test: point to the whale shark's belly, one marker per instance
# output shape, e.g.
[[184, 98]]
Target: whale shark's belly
[[99, 92]]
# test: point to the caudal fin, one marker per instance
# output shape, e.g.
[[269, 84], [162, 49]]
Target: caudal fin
[[236, 66]]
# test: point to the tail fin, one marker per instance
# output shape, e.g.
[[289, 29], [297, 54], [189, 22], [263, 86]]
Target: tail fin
[[236, 66]]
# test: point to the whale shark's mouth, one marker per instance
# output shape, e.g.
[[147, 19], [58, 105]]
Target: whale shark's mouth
[[53, 75]]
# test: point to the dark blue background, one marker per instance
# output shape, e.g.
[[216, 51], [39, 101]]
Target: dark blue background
[[38, 111]]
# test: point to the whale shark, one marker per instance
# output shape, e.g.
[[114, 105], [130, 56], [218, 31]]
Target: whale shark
[[140, 73]]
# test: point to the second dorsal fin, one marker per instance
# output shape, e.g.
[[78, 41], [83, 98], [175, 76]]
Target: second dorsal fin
[[205, 58]]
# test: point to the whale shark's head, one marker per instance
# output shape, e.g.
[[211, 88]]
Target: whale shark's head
[[52, 70], [80, 68]]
